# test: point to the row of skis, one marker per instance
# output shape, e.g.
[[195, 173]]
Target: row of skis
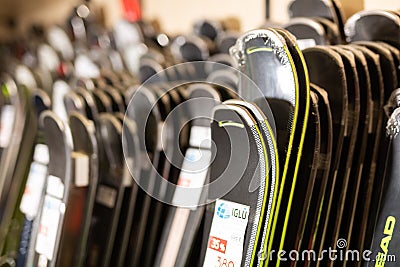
[[286, 139]]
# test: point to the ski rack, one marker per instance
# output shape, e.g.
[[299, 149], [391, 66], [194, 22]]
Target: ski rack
[[292, 105]]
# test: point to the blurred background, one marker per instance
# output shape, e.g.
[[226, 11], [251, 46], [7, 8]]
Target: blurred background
[[175, 16]]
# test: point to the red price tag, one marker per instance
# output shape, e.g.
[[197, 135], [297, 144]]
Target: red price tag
[[184, 182], [44, 230], [217, 244]]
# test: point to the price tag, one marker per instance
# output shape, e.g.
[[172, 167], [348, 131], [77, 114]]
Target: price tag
[[200, 137], [41, 154], [305, 43], [127, 179], [81, 169], [160, 128], [194, 173], [46, 238], [33, 190], [6, 124], [225, 244], [106, 196], [60, 88], [175, 237], [55, 187]]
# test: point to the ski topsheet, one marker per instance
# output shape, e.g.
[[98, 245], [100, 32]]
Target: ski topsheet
[[266, 58], [333, 80], [78, 214], [385, 238], [249, 167], [56, 195], [183, 223]]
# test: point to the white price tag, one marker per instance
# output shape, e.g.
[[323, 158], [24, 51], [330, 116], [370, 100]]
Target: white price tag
[[106, 196], [225, 243], [194, 173], [127, 177], [81, 169], [6, 124], [160, 128], [41, 154], [175, 237], [55, 187], [33, 190], [46, 238], [60, 88], [200, 137], [306, 43]]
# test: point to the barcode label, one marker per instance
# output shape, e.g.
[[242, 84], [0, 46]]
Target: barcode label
[[33, 190], [126, 176], [49, 221], [228, 228], [55, 187], [6, 124], [41, 154], [306, 43], [193, 175], [200, 137], [81, 169], [106, 196]]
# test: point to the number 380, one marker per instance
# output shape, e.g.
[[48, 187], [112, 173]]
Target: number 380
[[224, 263]]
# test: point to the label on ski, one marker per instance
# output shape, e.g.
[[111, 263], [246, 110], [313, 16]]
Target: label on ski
[[81, 169], [225, 244], [160, 128], [193, 174], [385, 242], [127, 179], [55, 187], [41, 154], [200, 137], [6, 124], [176, 234], [46, 238], [106, 196], [306, 43], [33, 190]]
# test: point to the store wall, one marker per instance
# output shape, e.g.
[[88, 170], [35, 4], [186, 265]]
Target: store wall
[[179, 15], [176, 16], [43, 12], [382, 4]]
